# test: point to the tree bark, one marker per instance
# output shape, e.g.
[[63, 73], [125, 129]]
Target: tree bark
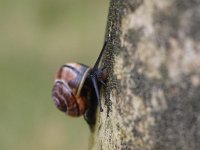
[[152, 95]]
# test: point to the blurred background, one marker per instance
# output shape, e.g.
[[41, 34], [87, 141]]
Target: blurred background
[[36, 38]]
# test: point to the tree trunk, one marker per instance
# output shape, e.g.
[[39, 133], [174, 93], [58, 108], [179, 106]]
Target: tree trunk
[[152, 96]]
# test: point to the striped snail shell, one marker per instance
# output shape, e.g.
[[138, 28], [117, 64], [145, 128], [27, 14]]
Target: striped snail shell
[[67, 87]]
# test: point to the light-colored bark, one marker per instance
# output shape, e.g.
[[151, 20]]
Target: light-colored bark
[[152, 96]]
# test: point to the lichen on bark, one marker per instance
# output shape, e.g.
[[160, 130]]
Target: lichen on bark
[[152, 98]]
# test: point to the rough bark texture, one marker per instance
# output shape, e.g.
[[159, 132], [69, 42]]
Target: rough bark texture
[[152, 96]]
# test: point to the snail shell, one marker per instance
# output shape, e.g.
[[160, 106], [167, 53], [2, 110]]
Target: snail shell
[[66, 90]]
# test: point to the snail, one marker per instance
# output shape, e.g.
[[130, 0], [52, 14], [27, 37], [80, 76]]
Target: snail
[[73, 84]]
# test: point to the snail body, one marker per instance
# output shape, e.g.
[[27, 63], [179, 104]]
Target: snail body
[[67, 92]]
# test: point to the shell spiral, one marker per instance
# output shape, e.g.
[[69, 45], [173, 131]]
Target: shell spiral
[[66, 90]]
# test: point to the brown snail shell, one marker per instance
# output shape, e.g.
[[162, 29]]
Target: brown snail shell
[[67, 87], [74, 82]]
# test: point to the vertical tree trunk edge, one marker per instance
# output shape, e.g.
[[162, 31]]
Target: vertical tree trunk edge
[[151, 100]]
